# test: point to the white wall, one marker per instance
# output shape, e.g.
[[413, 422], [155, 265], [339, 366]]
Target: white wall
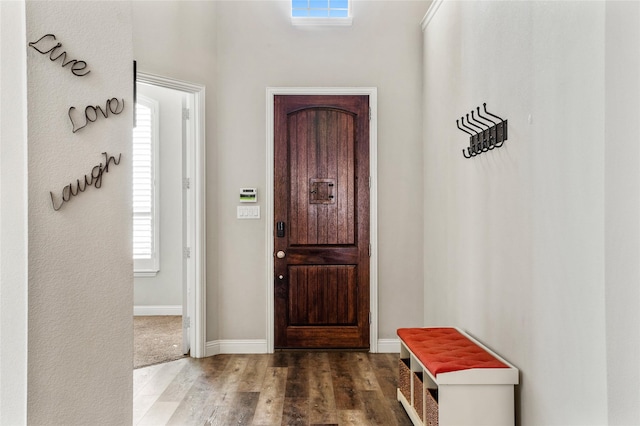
[[622, 211], [239, 48], [80, 340], [176, 39], [13, 214], [515, 247], [165, 289]]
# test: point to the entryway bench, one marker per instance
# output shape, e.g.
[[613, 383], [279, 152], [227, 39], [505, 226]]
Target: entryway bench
[[446, 377]]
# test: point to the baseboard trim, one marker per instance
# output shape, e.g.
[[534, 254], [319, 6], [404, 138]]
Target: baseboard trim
[[217, 347], [148, 310], [388, 346], [257, 346]]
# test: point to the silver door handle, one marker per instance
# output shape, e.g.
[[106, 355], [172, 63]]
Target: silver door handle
[[280, 254]]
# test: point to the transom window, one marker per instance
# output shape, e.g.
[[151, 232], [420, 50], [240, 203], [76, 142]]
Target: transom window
[[320, 8], [321, 12]]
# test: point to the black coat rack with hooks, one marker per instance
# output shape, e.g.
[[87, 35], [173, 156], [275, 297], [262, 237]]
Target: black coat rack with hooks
[[483, 136]]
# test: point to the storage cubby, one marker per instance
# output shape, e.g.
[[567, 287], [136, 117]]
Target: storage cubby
[[418, 393], [431, 407], [404, 378], [480, 395]]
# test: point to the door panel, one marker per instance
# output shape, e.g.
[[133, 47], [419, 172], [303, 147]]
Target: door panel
[[322, 196], [322, 295], [322, 177]]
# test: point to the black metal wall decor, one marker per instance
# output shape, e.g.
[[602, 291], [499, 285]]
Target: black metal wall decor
[[483, 136], [92, 178], [112, 105], [45, 45], [78, 68]]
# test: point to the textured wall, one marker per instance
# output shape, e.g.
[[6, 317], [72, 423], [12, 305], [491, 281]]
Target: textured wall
[[80, 269]]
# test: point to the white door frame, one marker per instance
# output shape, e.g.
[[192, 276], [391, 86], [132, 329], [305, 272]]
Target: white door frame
[[372, 92], [195, 208]]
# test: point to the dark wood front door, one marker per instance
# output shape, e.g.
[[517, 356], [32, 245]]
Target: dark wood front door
[[321, 221]]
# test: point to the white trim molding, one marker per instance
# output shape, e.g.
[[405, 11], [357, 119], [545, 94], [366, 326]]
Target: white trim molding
[[372, 92], [299, 21], [433, 8], [150, 310], [14, 210], [388, 346], [195, 209], [145, 274], [217, 347], [259, 346]]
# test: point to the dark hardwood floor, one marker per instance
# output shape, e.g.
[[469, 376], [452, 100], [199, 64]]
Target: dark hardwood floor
[[285, 388]]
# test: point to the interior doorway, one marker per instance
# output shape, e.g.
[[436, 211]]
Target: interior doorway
[[179, 288]]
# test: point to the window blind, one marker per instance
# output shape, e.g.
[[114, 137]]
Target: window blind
[[144, 214]]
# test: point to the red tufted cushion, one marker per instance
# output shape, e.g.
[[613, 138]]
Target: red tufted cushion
[[442, 350]]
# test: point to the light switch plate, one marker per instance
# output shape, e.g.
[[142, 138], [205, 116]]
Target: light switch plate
[[248, 212]]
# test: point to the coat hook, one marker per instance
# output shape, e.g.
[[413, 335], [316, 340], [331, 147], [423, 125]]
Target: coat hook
[[492, 129], [470, 139], [480, 141], [485, 118], [475, 120], [503, 125], [469, 122], [483, 136], [458, 124], [486, 135], [487, 112], [473, 144], [467, 127], [498, 145]]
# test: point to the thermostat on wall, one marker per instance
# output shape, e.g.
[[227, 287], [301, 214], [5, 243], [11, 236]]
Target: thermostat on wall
[[248, 195]]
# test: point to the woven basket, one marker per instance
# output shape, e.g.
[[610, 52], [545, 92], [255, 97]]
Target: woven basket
[[418, 394], [404, 378], [431, 407]]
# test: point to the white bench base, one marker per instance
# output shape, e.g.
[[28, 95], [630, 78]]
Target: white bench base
[[480, 396]]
